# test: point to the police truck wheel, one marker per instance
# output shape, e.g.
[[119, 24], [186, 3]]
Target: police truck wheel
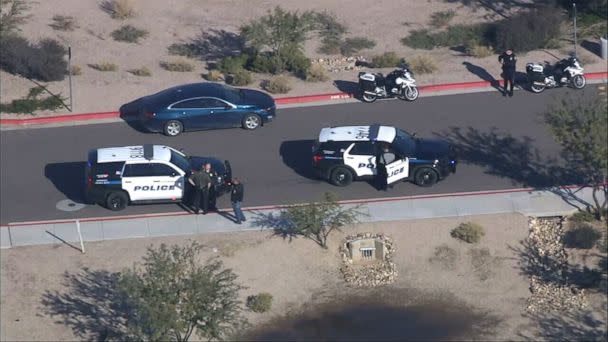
[[173, 128], [117, 201], [251, 122], [341, 176], [579, 81], [369, 98], [425, 177]]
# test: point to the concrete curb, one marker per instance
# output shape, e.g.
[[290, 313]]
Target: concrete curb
[[279, 101]]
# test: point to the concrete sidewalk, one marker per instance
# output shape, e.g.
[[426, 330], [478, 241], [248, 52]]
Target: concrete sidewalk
[[525, 201]]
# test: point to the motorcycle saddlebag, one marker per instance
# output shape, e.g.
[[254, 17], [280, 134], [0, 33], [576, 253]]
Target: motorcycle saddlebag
[[535, 72], [367, 82]]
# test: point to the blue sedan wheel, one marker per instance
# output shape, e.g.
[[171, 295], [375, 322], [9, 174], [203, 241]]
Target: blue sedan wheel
[[173, 128], [251, 121]]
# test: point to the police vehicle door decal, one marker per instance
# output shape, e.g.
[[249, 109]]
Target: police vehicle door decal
[[397, 170], [170, 181], [138, 181], [364, 165]]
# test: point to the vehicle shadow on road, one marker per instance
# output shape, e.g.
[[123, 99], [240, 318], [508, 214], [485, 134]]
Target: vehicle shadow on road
[[68, 178], [297, 155], [91, 306], [503, 155]]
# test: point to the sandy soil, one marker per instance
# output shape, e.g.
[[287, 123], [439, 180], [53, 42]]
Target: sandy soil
[[175, 21], [57, 293]]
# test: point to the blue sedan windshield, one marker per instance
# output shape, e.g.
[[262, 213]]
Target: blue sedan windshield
[[231, 94]]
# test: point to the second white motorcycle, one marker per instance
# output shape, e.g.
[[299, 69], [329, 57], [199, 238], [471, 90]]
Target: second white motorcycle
[[567, 72]]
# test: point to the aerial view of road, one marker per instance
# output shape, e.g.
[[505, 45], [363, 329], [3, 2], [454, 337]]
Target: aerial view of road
[[41, 167]]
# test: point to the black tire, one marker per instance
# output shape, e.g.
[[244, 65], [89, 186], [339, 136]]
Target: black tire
[[368, 98], [341, 176], [173, 128], [117, 200], [409, 94], [251, 122], [579, 82], [537, 88], [426, 177]]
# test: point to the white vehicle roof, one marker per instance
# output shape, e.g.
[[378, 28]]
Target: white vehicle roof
[[358, 133], [133, 153]]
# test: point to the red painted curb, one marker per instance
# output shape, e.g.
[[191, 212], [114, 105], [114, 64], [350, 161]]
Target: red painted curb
[[279, 101], [269, 207]]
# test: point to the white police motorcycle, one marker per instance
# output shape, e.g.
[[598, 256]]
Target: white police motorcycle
[[567, 72], [399, 83]]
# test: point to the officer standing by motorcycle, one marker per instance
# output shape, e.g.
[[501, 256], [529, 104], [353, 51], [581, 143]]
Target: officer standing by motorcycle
[[508, 61]]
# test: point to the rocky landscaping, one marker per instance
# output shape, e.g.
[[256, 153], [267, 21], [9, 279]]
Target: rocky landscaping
[[368, 273]]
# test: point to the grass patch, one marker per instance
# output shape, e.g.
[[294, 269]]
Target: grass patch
[[76, 70], [261, 302], [468, 232], [484, 263], [32, 102], [442, 19], [63, 23], [423, 64], [188, 50], [239, 78], [104, 66], [177, 66], [129, 34], [143, 72], [479, 51], [214, 76], [277, 85], [457, 35]]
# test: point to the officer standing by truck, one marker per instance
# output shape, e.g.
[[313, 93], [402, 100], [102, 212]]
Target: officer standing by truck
[[508, 61], [201, 183], [212, 196]]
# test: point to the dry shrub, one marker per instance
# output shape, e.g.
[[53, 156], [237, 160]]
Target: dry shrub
[[445, 256], [386, 60], [261, 302], [177, 65], [239, 78], [423, 64], [76, 70], [316, 73], [479, 51], [129, 34], [484, 263], [214, 76], [442, 19], [63, 23], [277, 85], [468, 232], [119, 9], [104, 66], [144, 72]]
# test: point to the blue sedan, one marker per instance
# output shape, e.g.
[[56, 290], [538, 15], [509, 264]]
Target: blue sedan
[[201, 106]]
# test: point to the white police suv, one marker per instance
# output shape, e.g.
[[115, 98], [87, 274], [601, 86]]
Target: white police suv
[[118, 176], [343, 154]]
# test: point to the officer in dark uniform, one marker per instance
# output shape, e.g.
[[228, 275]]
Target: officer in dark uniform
[[212, 194], [384, 157], [508, 60], [200, 182]]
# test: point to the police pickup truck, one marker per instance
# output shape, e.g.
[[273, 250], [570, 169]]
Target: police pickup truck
[[343, 154], [118, 176]]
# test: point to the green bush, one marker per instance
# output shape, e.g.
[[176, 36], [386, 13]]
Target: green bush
[[32, 103], [297, 62], [423, 64], [63, 23], [527, 31], [230, 65], [185, 50], [178, 66], [582, 216], [330, 45], [239, 78], [443, 18], [261, 302], [44, 61], [316, 73], [144, 72], [468, 232], [420, 39], [457, 35], [264, 63], [582, 237], [355, 44], [104, 66], [386, 60], [129, 34], [277, 85]]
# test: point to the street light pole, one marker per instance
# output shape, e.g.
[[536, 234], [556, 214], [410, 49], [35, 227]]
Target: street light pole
[[70, 75], [574, 12]]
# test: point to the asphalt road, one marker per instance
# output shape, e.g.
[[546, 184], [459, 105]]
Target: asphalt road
[[502, 141]]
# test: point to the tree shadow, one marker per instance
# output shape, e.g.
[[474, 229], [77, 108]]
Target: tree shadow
[[566, 326], [280, 224], [92, 307], [502, 8], [482, 73], [213, 44], [297, 155], [68, 178], [593, 47]]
